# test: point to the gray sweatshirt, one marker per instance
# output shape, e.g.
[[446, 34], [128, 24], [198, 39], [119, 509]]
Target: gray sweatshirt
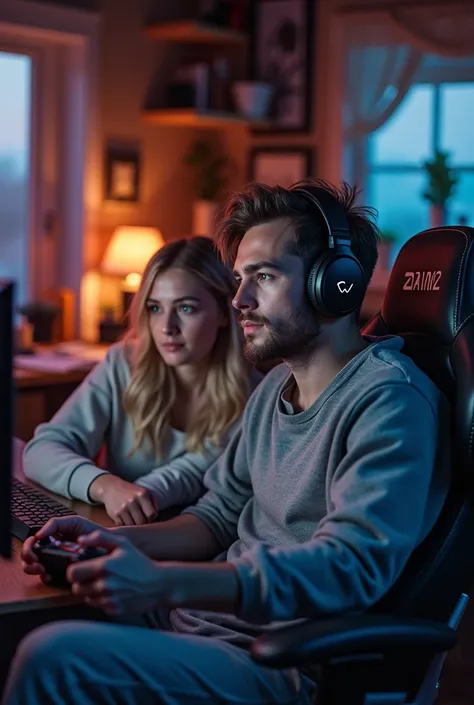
[[61, 454], [320, 510]]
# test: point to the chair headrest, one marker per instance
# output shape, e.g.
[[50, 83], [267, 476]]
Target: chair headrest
[[431, 287]]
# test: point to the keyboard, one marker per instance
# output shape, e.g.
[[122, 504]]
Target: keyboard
[[31, 508]]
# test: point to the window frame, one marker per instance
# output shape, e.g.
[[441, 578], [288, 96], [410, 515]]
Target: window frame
[[369, 169], [65, 143], [40, 246], [435, 138]]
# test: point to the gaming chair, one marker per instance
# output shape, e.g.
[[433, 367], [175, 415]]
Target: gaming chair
[[394, 653]]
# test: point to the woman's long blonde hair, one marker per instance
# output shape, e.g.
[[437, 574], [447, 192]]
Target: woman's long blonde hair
[[151, 392]]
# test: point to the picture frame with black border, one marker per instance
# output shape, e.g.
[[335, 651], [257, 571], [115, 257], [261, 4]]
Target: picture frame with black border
[[281, 166], [283, 31], [122, 174]]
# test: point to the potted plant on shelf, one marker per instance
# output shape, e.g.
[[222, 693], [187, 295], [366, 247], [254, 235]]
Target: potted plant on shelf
[[209, 181], [441, 182]]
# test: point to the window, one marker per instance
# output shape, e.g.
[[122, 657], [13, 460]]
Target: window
[[61, 47], [431, 117], [15, 97]]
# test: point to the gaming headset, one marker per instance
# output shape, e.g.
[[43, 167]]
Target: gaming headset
[[336, 282]]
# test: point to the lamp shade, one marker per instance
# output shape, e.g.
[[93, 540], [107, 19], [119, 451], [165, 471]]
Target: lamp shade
[[129, 250]]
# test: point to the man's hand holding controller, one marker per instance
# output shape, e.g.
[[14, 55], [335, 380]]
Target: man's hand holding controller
[[101, 566], [172, 568], [56, 531]]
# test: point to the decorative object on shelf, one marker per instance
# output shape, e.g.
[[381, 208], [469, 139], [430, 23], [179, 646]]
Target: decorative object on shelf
[[224, 13], [122, 172], [388, 239], [280, 166], [252, 99], [24, 337], [44, 317], [442, 180], [210, 179], [110, 330], [64, 300], [126, 256], [282, 35], [190, 86], [220, 85], [201, 85]]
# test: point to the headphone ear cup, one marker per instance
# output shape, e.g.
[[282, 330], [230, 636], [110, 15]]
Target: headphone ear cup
[[336, 285], [313, 287]]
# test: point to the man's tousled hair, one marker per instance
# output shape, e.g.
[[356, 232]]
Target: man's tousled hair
[[259, 203]]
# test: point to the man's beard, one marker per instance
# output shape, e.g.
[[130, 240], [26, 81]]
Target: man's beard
[[285, 339]]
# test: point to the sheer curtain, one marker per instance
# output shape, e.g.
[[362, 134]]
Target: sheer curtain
[[377, 80], [384, 50]]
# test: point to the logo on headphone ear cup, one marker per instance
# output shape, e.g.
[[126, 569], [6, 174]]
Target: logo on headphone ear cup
[[336, 284]]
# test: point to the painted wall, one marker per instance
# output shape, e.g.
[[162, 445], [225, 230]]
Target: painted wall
[[132, 66]]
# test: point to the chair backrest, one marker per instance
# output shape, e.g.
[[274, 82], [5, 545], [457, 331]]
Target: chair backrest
[[429, 302]]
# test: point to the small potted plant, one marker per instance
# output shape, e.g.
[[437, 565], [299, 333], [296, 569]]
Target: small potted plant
[[209, 182], [441, 182], [44, 317], [387, 240]]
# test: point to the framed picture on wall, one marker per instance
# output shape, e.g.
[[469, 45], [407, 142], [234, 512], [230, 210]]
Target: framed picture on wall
[[282, 36], [122, 173], [280, 166]]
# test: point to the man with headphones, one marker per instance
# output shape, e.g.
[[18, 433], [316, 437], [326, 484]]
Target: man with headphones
[[314, 508]]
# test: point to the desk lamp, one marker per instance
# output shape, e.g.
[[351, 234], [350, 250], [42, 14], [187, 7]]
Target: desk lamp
[[127, 255]]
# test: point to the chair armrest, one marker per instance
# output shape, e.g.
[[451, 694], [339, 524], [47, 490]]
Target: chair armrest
[[313, 642]]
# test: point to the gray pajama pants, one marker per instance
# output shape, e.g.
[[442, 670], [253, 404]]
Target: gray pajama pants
[[95, 663]]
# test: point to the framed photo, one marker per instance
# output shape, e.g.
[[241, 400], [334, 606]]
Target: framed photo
[[280, 166], [282, 37], [122, 173]]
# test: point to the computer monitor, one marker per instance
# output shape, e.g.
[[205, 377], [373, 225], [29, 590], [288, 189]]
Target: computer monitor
[[6, 414]]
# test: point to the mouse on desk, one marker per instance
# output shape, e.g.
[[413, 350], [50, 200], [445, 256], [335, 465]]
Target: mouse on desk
[[55, 555]]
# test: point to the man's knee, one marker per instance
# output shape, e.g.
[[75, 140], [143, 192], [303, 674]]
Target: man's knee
[[46, 646]]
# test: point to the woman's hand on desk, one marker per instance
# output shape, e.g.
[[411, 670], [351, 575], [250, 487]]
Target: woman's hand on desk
[[124, 502], [69, 528]]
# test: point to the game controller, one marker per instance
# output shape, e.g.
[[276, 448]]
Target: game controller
[[55, 555]]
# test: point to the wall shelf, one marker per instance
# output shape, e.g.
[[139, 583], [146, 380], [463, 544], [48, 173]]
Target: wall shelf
[[189, 117], [192, 32]]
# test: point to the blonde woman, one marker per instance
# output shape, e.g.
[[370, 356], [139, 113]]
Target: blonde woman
[[164, 401]]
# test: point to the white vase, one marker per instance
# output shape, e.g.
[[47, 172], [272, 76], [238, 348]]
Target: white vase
[[204, 217], [252, 98]]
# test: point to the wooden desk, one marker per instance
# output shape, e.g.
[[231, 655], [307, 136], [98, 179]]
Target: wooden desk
[[25, 603], [41, 394], [20, 592]]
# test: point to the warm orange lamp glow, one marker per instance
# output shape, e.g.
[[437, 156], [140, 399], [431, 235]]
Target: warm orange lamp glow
[[127, 255], [129, 250]]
